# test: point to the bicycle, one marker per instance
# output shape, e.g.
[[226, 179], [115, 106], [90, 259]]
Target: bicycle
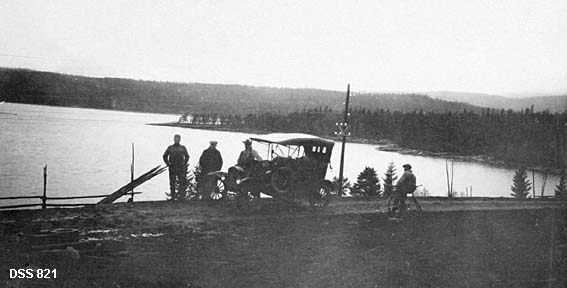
[[410, 205]]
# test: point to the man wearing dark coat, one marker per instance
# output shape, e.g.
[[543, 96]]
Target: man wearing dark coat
[[404, 186], [210, 161], [176, 158]]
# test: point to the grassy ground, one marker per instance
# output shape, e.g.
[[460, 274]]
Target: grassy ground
[[454, 243]]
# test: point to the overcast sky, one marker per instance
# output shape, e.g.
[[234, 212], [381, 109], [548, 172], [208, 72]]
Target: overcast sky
[[492, 46]]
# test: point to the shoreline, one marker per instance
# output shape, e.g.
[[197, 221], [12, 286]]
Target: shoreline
[[384, 145]]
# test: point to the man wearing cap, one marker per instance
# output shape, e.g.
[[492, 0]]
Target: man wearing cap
[[176, 158], [405, 185], [248, 155], [210, 161]]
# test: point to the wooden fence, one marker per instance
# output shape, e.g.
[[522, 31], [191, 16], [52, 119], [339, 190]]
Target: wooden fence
[[44, 197], [44, 203]]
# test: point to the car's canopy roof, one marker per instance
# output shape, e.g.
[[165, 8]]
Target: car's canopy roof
[[297, 139]]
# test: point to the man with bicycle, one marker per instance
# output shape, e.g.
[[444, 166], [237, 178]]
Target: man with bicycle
[[404, 186]]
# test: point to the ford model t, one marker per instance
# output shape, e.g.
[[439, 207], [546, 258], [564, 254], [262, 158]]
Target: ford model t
[[295, 168]]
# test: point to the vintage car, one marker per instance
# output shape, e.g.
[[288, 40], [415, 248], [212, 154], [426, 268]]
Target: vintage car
[[295, 167]]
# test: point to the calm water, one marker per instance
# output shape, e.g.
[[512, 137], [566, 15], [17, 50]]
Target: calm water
[[89, 152]]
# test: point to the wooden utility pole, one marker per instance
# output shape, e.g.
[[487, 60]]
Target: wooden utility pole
[[343, 131], [565, 143]]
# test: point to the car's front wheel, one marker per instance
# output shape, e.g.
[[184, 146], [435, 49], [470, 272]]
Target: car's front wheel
[[217, 190]]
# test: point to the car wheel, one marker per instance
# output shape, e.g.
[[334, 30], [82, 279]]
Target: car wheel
[[320, 197], [218, 191]]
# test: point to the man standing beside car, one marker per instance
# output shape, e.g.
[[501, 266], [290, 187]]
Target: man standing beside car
[[176, 158], [210, 161], [248, 156]]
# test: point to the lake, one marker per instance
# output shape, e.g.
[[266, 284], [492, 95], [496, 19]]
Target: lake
[[88, 152]]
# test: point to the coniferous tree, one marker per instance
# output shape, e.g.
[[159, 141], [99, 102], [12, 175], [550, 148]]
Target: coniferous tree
[[389, 178], [521, 185], [341, 188], [561, 188], [367, 183]]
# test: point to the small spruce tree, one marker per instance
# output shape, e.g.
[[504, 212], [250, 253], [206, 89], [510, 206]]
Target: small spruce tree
[[389, 178], [367, 183], [341, 188], [191, 189], [561, 188], [521, 185]]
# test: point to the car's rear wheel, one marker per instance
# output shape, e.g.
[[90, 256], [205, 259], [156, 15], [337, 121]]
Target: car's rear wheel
[[320, 197]]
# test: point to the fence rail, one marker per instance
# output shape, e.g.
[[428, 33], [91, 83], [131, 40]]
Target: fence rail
[[127, 190], [20, 197], [54, 199]]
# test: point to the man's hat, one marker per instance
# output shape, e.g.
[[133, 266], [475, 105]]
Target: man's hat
[[247, 142], [407, 166], [213, 142]]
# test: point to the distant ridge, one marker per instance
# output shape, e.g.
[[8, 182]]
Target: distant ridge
[[556, 103], [47, 88]]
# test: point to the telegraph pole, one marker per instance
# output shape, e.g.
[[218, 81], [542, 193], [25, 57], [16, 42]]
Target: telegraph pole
[[343, 131]]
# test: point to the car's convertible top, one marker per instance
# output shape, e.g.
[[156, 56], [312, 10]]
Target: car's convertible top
[[296, 139]]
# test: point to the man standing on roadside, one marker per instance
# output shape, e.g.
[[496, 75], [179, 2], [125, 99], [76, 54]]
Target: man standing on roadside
[[404, 186], [176, 158], [210, 161]]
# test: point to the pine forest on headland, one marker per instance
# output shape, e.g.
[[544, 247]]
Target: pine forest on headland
[[519, 137]]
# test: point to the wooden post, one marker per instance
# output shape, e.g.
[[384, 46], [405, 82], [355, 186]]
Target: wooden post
[[449, 195], [44, 198], [452, 173], [343, 127], [132, 173], [543, 182]]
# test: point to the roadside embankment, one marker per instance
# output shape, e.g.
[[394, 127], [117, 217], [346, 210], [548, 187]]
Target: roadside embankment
[[472, 242]]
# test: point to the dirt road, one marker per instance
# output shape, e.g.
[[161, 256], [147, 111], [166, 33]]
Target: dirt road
[[455, 243]]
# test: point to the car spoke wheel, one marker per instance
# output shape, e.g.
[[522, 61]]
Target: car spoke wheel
[[218, 191], [320, 197]]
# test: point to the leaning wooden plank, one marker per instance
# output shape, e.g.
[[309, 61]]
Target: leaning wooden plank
[[137, 182]]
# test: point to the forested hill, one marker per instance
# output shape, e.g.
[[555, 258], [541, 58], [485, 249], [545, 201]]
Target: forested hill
[[557, 103], [46, 88]]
